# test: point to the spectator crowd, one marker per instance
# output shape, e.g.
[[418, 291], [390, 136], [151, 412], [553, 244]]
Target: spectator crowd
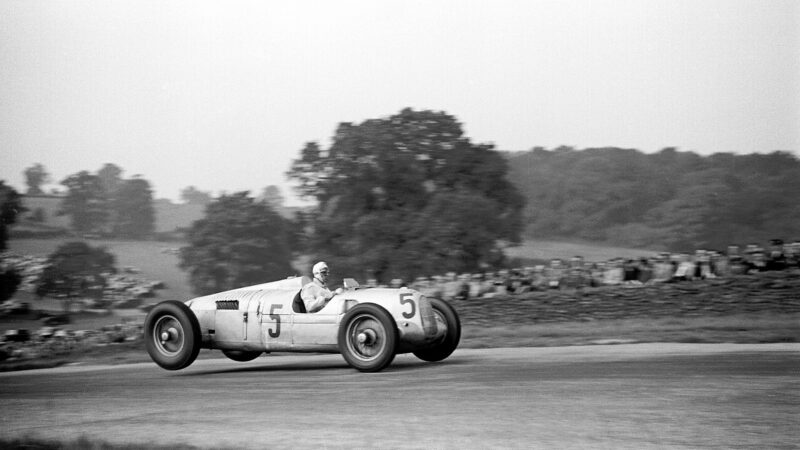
[[576, 273], [122, 289], [48, 342]]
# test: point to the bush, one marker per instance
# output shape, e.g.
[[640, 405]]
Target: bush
[[9, 282]]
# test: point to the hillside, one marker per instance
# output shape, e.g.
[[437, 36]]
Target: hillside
[[42, 214], [673, 200]]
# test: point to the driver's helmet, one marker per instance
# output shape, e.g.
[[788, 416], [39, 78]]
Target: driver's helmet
[[320, 268]]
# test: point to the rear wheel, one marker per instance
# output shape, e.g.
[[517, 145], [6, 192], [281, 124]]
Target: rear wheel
[[446, 316], [172, 335], [240, 355], [368, 337]]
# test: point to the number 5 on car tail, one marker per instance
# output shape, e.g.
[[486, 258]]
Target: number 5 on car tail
[[407, 298]]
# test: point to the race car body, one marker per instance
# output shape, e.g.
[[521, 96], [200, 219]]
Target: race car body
[[368, 326]]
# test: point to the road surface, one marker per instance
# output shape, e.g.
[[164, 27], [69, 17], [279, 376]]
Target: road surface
[[605, 396]]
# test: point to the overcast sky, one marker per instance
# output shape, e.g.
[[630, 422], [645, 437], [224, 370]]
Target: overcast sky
[[222, 95]]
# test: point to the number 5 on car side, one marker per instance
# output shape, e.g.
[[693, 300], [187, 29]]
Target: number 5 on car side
[[367, 326]]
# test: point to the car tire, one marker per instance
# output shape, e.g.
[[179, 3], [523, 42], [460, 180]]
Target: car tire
[[172, 335], [368, 337], [447, 315], [241, 355]]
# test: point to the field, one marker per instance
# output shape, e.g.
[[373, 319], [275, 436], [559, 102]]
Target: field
[[153, 260]]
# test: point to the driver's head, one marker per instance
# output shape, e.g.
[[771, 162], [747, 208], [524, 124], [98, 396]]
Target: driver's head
[[321, 271]]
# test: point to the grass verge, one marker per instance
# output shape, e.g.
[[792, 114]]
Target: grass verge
[[742, 328]]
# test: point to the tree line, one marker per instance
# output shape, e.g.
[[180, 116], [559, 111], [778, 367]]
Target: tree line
[[673, 200], [102, 203]]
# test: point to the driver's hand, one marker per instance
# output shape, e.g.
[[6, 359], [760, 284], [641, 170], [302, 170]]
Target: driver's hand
[[338, 291]]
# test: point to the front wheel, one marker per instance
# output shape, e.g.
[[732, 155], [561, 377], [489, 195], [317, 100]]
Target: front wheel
[[241, 355], [172, 335], [446, 316], [368, 337]]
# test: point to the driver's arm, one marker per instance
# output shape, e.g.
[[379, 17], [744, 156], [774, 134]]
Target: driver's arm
[[315, 297]]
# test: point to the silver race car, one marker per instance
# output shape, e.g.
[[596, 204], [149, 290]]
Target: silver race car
[[367, 326]]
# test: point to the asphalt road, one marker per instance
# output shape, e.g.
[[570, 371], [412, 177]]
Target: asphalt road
[[614, 396]]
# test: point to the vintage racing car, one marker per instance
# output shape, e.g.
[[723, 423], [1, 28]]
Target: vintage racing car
[[367, 326]]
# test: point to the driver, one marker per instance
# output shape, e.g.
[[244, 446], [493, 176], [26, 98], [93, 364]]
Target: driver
[[316, 294]]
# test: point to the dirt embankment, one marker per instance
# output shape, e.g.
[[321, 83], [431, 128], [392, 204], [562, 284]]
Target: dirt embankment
[[775, 292], [763, 307]]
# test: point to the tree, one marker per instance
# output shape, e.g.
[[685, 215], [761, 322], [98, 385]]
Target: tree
[[75, 269], [10, 280], [239, 242], [133, 209], [194, 196], [108, 204], [383, 180], [273, 196], [110, 178], [685, 218], [10, 207], [35, 177], [86, 202]]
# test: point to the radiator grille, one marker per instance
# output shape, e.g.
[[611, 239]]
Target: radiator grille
[[227, 304]]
